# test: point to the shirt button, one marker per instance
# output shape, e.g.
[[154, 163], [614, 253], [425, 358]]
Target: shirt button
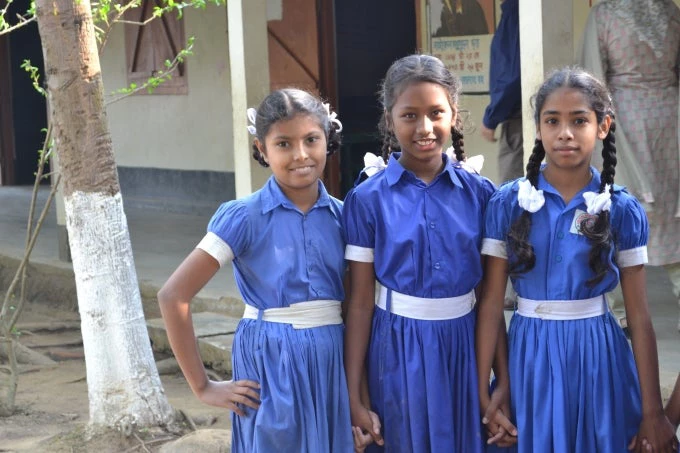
[[432, 225], [437, 265], [560, 235], [558, 258]]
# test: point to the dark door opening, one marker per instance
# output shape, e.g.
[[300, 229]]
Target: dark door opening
[[22, 134], [370, 36]]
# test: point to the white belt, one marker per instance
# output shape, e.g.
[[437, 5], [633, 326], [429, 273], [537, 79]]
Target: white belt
[[302, 315], [427, 309], [562, 310]]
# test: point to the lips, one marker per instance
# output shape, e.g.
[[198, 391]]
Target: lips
[[426, 144], [302, 170]]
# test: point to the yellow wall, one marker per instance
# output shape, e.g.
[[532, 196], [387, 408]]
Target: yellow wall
[[176, 131]]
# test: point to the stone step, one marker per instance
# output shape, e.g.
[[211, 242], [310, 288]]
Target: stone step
[[215, 334]]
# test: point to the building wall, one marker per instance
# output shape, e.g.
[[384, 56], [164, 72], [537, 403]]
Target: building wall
[[172, 149]]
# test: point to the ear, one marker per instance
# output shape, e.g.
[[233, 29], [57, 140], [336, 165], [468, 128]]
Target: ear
[[603, 127], [454, 116], [538, 133], [261, 149]]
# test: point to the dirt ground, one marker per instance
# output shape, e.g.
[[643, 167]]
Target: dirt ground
[[53, 404]]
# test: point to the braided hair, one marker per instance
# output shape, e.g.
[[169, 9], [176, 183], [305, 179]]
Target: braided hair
[[285, 104], [404, 72], [598, 231]]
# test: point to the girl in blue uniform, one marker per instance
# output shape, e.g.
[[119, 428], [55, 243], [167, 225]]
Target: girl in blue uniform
[[289, 391], [416, 228], [566, 235]]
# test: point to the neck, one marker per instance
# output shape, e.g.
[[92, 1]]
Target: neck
[[568, 183], [425, 170], [303, 198]]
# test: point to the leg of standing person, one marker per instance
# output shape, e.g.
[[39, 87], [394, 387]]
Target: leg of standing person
[[510, 167]]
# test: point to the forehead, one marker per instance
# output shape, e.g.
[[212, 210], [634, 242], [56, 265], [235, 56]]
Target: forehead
[[566, 100], [422, 94], [298, 125]]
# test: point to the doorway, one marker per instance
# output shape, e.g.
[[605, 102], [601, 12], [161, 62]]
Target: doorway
[[370, 36], [23, 111]]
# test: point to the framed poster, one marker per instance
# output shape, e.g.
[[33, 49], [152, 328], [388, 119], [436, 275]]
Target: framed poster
[[460, 33]]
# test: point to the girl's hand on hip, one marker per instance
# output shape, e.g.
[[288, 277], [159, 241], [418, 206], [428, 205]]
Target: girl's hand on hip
[[368, 425], [656, 434], [233, 395]]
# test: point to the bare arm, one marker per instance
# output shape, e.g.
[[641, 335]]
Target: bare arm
[[655, 427], [673, 406], [357, 334], [174, 299]]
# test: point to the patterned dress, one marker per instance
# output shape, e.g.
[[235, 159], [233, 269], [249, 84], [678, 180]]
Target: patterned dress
[[641, 68]]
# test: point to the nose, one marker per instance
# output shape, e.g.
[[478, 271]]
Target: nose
[[566, 133], [300, 152], [424, 126]]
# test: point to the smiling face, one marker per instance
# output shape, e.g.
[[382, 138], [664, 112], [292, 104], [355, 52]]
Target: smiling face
[[569, 129], [421, 120], [295, 149]]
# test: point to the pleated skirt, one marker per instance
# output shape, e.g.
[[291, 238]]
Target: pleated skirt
[[423, 384], [303, 389], [574, 385]]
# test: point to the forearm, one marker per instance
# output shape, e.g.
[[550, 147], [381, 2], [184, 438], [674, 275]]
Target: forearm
[[500, 363], [180, 331], [646, 359], [673, 406], [357, 335], [487, 344]]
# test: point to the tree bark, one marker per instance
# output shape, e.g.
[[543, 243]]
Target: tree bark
[[123, 383]]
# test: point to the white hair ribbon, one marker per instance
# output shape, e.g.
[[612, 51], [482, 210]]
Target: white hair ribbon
[[598, 202], [373, 164], [333, 117], [529, 198], [472, 164], [252, 114]]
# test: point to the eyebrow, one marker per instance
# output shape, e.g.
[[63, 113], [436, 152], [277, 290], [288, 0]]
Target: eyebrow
[[574, 112]]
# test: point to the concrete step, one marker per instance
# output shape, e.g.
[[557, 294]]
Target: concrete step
[[215, 334]]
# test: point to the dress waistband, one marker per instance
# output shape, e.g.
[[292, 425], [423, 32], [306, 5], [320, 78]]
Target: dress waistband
[[562, 310], [425, 308], [302, 315]]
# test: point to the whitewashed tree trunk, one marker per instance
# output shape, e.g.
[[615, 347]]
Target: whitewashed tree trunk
[[123, 383]]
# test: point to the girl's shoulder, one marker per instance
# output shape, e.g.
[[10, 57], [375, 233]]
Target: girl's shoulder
[[507, 192], [625, 205]]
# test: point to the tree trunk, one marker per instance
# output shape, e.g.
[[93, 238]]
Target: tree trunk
[[123, 383]]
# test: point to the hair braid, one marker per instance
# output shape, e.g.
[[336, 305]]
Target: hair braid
[[598, 231], [458, 143], [524, 258]]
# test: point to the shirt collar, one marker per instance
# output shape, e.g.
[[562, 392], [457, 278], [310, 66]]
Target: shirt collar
[[592, 186], [395, 171], [273, 197]]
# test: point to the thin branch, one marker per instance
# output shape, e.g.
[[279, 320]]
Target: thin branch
[[24, 261], [22, 21], [31, 211], [116, 19]]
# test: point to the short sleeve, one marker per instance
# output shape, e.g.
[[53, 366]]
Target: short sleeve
[[497, 223], [630, 229], [359, 229], [228, 232]]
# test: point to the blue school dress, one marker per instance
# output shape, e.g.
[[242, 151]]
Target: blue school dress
[[280, 257], [424, 241], [573, 383]]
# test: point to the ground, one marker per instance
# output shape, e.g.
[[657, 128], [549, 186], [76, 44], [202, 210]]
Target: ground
[[52, 400]]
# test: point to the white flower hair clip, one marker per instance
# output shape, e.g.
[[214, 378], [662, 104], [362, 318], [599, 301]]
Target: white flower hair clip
[[332, 116], [252, 115], [529, 198], [373, 164], [471, 164], [598, 202]]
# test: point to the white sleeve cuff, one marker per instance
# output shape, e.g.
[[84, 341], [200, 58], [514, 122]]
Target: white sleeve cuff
[[494, 247], [361, 254], [214, 246], [632, 257]]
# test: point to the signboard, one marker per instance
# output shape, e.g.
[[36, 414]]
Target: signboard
[[460, 35]]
